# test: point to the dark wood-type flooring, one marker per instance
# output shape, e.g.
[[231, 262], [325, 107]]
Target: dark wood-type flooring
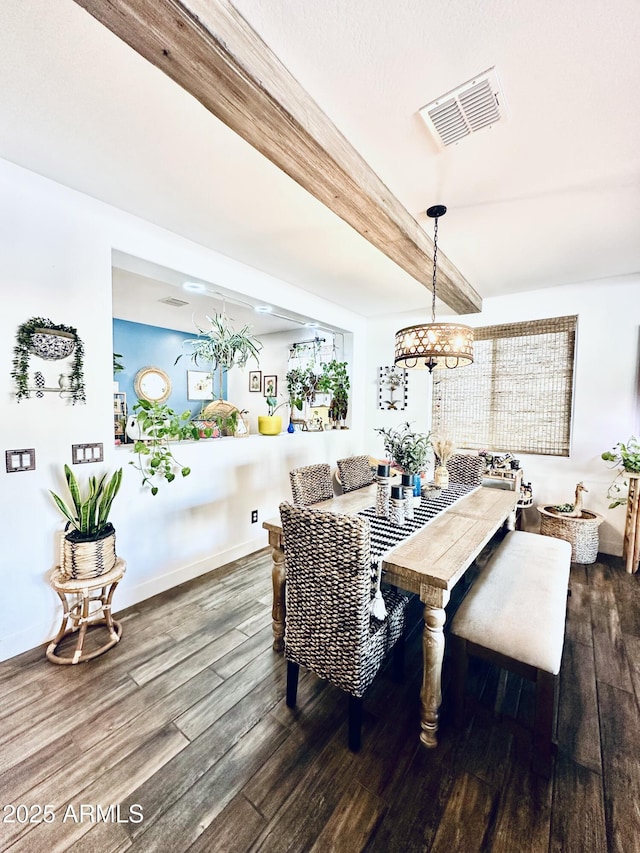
[[184, 724]]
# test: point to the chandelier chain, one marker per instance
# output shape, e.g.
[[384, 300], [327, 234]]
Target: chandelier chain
[[435, 267]]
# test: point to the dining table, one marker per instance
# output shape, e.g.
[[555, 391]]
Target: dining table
[[428, 562]]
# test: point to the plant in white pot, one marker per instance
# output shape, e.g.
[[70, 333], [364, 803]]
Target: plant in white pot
[[89, 547]]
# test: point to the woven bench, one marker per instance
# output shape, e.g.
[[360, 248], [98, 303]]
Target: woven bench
[[514, 616]]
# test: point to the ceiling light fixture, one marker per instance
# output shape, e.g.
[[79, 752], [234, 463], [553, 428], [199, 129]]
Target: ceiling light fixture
[[194, 286], [263, 309], [434, 345]]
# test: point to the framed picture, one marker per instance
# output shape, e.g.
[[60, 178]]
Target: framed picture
[[199, 385], [270, 386], [255, 380]]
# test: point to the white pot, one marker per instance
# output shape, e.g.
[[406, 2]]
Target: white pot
[[134, 430]]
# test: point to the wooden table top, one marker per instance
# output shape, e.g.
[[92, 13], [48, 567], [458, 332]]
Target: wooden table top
[[440, 552]]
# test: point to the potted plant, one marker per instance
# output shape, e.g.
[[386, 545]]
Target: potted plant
[[626, 456], [271, 424], [407, 449], [334, 380], [222, 347], [50, 341], [301, 386], [158, 425], [88, 549]]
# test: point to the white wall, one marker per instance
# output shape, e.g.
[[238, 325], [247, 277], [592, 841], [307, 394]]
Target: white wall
[[55, 262], [606, 387]]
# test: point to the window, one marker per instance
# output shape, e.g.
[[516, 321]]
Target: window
[[517, 394]]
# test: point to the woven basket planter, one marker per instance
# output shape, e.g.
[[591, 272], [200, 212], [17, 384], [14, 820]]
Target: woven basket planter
[[52, 345], [581, 532], [86, 559]]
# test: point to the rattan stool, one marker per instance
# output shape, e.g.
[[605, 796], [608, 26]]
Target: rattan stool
[[77, 615]]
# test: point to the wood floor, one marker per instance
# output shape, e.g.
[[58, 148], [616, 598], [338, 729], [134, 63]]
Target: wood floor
[[183, 729]]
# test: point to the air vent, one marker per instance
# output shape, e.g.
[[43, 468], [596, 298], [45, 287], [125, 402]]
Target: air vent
[[171, 300], [474, 105]]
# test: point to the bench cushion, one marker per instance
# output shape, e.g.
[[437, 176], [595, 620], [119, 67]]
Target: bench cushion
[[518, 604]]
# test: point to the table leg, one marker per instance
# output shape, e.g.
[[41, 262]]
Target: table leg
[[435, 601], [278, 579]]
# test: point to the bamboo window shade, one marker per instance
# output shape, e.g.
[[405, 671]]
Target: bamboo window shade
[[517, 394]]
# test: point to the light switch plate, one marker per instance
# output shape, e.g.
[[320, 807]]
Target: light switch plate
[[81, 453], [23, 459]]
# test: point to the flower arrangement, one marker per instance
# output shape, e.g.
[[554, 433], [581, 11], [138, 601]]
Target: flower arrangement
[[443, 448]]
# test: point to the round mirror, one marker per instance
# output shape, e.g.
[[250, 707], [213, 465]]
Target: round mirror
[[152, 384]]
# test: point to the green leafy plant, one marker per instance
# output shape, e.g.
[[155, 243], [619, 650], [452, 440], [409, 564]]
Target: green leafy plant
[[155, 457], [221, 346], [408, 449], [625, 455], [117, 365], [273, 405], [334, 380], [89, 514], [24, 347], [301, 386]]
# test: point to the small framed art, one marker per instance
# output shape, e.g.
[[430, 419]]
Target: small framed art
[[199, 385], [255, 380], [270, 388]]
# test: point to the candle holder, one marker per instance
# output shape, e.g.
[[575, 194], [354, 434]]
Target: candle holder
[[397, 507], [383, 495], [408, 492]]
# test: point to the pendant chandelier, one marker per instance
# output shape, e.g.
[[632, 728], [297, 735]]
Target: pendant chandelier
[[434, 345]]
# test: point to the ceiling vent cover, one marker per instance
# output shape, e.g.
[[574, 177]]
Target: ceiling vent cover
[[474, 105], [171, 300]]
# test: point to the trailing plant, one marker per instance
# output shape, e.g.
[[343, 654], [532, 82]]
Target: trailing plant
[[117, 365], [334, 380], [625, 455], [221, 346], [155, 457], [89, 514], [301, 386], [409, 450], [24, 347]]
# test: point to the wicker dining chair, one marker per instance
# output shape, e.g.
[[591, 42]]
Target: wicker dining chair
[[355, 472], [465, 468], [329, 626], [311, 484]]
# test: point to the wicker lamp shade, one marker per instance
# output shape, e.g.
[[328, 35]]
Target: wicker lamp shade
[[434, 345]]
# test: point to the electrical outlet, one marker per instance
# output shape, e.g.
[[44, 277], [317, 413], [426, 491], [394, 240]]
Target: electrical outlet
[[81, 453], [254, 516], [24, 459]]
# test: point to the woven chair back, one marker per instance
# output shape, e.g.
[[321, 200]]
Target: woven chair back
[[328, 565], [465, 468], [355, 473], [311, 484]]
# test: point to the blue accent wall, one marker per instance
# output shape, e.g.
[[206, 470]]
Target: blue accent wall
[[152, 346]]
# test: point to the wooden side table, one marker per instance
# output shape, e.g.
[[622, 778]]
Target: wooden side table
[[631, 547], [77, 615]]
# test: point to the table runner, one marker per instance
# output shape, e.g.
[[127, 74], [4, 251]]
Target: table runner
[[386, 535]]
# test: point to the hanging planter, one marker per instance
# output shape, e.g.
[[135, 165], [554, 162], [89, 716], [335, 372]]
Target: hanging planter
[[49, 341], [51, 345]]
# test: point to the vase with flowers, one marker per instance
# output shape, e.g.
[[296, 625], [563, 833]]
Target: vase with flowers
[[443, 449]]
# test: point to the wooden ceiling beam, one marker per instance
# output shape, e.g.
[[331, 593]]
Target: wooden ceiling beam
[[209, 49]]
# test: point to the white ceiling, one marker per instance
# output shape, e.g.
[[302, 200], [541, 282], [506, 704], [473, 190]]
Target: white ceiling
[[549, 197]]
